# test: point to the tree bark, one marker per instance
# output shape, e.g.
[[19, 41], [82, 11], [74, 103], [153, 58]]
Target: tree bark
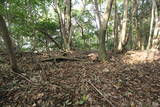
[[97, 12], [115, 25], [151, 28], [156, 33], [154, 37], [8, 43], [103, 27], [65, 23], [133, 12], [124, 26]]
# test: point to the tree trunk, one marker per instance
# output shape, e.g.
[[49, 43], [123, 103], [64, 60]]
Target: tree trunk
[[151, 28], [98, 13], [138, 37], [8, 43], [133, 12], [156, 33], [115, 25], [65, 24], [124, 26], [103, 27]]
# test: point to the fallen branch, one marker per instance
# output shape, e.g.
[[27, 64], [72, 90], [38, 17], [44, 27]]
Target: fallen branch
[[99, 92], [50, 37], [20, 75], [61, 58]]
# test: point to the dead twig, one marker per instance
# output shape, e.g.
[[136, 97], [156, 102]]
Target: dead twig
[[99, 92], [21, 75]]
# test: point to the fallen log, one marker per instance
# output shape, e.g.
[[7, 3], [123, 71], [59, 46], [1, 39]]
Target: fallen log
[[61, 58]]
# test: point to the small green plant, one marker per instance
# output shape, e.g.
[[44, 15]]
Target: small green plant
[[83, 99]]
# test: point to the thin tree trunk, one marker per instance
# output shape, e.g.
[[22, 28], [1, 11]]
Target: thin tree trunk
[[115, 25], [134, 6], [8, 43], [138, 36], [97, 12], [50, 37], [82, 34], [151, 28], [67, 14], [65, 23], [47, 47]]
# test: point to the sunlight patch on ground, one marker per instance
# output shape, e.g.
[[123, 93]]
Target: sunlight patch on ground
[[135, 57]]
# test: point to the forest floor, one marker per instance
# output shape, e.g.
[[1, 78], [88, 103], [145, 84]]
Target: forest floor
[[131, 79]]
